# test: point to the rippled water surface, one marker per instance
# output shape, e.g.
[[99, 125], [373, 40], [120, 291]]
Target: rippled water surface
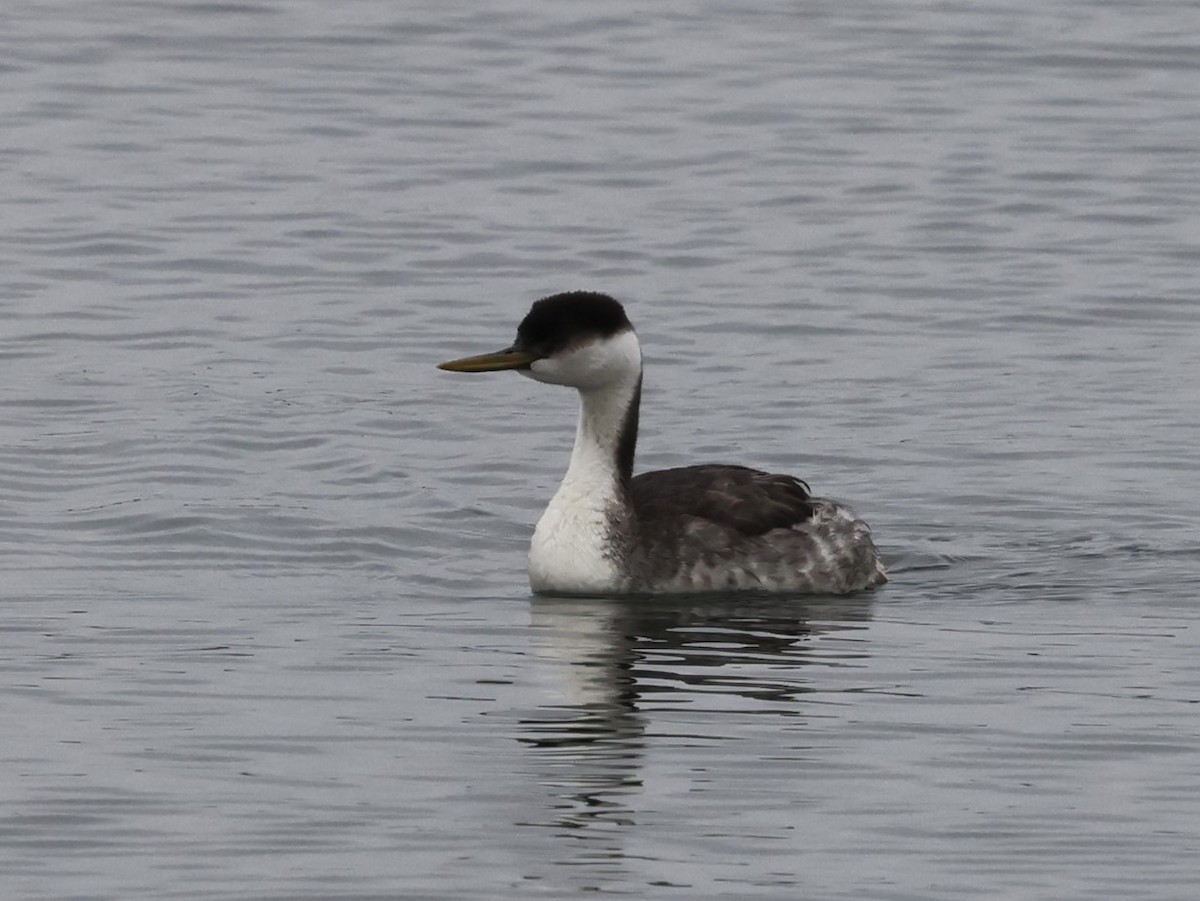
[[264, 625]]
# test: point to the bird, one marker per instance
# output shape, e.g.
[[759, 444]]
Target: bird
[[690, 530]]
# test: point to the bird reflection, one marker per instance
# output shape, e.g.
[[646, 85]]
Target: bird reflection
[[617, 662]]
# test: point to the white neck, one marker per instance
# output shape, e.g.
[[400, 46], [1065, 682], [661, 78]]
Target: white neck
[[603, 416], [571, 550]]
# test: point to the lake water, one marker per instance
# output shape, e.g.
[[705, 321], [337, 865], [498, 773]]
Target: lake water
[[264, 625]]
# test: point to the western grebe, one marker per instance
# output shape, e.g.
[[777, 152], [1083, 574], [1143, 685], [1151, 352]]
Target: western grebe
[[700, 528]]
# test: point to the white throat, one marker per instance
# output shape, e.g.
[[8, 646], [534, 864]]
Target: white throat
[[572, 549]]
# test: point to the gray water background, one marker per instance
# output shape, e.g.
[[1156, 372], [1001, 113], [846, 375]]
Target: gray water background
[[264, 625]]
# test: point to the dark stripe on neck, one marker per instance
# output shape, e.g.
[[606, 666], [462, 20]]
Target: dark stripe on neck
[[627, 440]]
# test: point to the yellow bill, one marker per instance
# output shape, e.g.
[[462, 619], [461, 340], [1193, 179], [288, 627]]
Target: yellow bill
[[505, 359]]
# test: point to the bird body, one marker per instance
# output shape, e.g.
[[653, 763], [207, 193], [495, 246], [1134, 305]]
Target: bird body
[[712, 527]]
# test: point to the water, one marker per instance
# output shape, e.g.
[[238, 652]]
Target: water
[[265, 631]]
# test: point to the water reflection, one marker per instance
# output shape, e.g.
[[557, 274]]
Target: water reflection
[[628, 671]]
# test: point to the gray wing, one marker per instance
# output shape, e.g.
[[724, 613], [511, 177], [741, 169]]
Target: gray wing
[[746, 501], [717, 527]]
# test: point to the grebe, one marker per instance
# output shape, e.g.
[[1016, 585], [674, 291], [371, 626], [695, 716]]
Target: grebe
[[702, 528]]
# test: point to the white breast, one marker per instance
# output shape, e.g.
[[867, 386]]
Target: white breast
[[570, 552]]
